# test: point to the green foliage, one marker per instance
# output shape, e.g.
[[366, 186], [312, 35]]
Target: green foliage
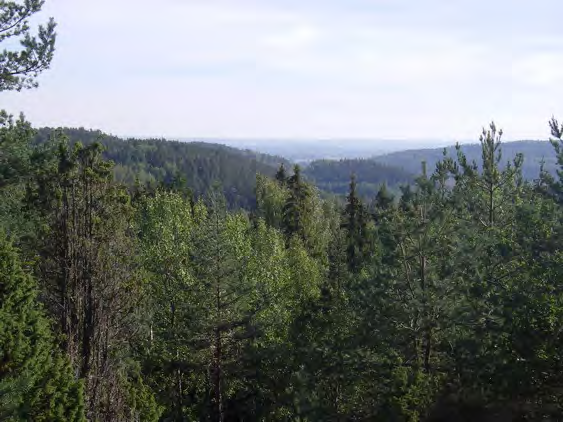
[[36, 382], [158, 162], [334, 175], [355, 223], [270, 199], [535, 152], [89, 276], [20, 164], [19, 68], [440, 304]]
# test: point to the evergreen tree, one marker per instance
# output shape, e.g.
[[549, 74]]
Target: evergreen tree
[[281, 176], [20, 68], [36, 381], [355, 223], [294, 208], [89, 274], [556, 186], [20, 163]]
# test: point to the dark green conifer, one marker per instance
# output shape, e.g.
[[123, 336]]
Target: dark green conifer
[[281, 175], [355, 222], [36, 382], [294, 208]]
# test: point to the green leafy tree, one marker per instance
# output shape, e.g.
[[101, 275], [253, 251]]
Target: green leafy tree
[[270, 200], [166, 229]]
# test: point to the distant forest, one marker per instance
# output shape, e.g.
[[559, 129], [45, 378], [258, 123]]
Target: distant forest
[[334, 176], [196, 165], [535, 152]]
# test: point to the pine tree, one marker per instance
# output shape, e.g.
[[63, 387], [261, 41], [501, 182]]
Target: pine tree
[[20, 163], [555, 186], [36, 381], [220, 272], [20, 68], [88, 273]]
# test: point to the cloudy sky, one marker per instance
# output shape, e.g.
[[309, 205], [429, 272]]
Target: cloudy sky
[[374, 69]]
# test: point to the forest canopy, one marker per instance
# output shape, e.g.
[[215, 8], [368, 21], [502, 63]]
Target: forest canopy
[[436, 303], [146, 280]]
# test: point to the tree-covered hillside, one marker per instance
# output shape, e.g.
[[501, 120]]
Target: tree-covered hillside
[[334, 176], [199, 164], [534, 152], [399, 168]]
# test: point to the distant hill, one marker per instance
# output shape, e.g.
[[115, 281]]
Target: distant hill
[[534, 152], [305, 151], [158, 160], [399, 168], [334, 175], [203, 163]]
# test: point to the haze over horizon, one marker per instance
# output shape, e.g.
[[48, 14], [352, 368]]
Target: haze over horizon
[[360, 69]]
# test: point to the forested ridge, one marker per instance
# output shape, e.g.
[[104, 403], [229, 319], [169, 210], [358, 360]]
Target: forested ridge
[[535, 154], [333, 176], [401, 167], [197, 165]]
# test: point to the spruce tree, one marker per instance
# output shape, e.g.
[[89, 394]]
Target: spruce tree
[[294, 208], [36, 381], [281, 175], [355, 223]]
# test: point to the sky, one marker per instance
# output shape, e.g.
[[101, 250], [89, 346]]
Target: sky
[[404, 70]]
